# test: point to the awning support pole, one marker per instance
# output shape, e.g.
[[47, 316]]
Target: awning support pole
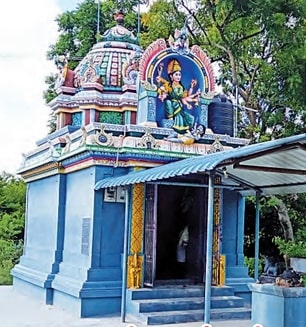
[[257, 221], [125, 255], [209, 248]]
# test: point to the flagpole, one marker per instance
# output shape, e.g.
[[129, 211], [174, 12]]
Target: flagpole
[[138, 22]]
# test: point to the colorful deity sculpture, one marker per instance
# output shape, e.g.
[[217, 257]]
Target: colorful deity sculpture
[[176, 97]]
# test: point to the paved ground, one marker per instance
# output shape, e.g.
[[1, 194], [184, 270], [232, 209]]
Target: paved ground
[[17, 310]]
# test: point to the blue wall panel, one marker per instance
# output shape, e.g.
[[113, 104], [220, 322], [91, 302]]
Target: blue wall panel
[[112, 234], [229, 230], [79, 205], [43, 236], [89, 278], [275, 306], [42, 214]]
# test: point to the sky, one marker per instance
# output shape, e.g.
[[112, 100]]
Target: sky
[[27, 29]]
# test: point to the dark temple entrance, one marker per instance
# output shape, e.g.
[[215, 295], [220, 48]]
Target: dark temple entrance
[[170, 209]]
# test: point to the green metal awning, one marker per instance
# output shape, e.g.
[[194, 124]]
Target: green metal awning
[[274, 167]]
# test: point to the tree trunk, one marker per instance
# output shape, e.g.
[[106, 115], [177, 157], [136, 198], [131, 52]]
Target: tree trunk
[[284, 220]]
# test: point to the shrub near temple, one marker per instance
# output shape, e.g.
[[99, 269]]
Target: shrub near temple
[[12, 209], [292, 249], [296, 252]]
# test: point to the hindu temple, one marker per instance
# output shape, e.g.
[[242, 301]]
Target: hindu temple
[[133, 206]]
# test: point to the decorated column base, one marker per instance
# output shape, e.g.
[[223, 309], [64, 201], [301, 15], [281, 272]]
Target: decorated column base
[[275, 306]]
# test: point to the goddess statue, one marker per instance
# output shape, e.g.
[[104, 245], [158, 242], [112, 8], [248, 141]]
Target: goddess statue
[[176, 97]]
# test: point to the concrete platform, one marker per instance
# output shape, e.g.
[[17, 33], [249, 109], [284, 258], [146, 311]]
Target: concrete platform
[[16, 310]]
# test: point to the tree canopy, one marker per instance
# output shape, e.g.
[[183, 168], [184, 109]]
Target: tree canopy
[[81, 28]]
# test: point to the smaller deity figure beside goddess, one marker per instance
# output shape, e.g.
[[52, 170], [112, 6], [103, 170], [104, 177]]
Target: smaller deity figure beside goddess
[[66, 76], [179, 43], [189, 137], [176, 97]]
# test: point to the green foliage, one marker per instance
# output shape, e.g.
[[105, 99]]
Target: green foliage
[[303, 276], [78, 28], [10, 251], [293, 249], [250, 263], [270, 228], [159, 26], [12, 215]]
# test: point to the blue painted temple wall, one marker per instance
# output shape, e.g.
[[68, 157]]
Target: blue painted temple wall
[[42, 221], [74, 243], [43, 237], [232, 243], [232, 227]]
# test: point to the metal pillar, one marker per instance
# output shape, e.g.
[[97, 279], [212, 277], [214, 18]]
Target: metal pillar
[[125, 255], [257, 220], [209, 248]]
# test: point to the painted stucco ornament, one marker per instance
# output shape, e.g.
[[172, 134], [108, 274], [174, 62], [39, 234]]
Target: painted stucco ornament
[[180, 43], [130, 69], [65, 76], [189, 137], [147, 140], [103, 138], [216, 146], [148, 86]]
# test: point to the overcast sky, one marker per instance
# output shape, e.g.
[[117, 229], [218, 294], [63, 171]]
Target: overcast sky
[[27, 28]]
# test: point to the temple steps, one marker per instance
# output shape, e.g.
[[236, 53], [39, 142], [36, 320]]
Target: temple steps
[[182, 304]]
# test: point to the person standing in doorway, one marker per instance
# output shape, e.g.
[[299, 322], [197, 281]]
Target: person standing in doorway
[[181, 252]]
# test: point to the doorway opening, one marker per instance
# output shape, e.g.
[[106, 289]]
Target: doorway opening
[[180, 234]]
